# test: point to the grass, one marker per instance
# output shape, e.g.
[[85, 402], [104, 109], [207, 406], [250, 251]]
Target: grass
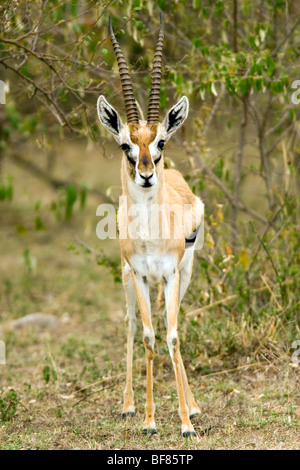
[[63, 389]]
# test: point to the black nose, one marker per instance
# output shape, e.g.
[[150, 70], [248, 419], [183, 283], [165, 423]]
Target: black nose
[[147, 183], [146, 178]]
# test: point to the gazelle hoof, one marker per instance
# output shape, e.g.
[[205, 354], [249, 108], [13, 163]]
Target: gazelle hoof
[[195, 415], [130, 414], [194, 412], [149, 431], [188, 433]]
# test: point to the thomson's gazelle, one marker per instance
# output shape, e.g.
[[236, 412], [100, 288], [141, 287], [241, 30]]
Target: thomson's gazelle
[[148, 259]]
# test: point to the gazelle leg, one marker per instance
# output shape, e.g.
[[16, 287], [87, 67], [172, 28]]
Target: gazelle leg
[[194, 409], [128, 405], [142, 294], [185, 276], [172, 303]]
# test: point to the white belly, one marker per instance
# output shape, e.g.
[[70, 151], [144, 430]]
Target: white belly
[[157, 267], [153, 266]]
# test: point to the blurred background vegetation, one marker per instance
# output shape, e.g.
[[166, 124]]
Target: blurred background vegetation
[[239, 150]]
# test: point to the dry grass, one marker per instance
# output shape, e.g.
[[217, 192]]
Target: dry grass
[[69, 382]]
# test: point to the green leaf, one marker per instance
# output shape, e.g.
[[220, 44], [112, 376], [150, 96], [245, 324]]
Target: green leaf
[[162, 4], [14, 116], [46, 374], [82, 196], [39, 224], [270, 66], [244, 85], [71, 196], [6, 190], [205, 13], [219, 8], [218, 168], [197, 42], [74, 7]]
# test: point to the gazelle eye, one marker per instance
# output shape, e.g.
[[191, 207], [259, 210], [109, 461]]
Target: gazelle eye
[[125, 147], [161, 144]]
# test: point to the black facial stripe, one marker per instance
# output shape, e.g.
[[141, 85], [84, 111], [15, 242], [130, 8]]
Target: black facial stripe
[[157, 160], [131, 160], [174, 120], [112, 118], [126, 148]]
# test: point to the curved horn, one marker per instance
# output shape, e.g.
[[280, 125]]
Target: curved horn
[[153, 109], [130, 104]]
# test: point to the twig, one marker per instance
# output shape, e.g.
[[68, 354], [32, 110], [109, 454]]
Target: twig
[[42, 91], [232, 297], [100, 381], [213, 111], [250, 443], [93, 393], [268, 226], [238, 171], [270, 150], [232, 370], [234, 29], [100, 257], [264, 155], [87, 247], [204, 168], [286, 37], [270, 290], [270, 259]]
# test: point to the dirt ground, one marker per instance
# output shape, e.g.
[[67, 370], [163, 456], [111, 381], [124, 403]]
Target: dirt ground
[[68, 382]]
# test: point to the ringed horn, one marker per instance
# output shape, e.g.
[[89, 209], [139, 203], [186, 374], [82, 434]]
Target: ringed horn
[[130, 104], [153, 109]]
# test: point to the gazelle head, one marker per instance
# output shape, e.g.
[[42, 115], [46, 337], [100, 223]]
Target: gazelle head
[[142, 141]]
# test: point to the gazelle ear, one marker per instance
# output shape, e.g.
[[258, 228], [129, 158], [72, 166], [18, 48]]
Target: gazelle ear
[[109, 117], [176, 116]]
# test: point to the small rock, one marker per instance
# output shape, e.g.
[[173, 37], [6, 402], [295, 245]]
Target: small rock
[[38, 320]]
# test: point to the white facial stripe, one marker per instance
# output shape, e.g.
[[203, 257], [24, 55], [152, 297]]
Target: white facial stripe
[[155, 152], [153, 180]]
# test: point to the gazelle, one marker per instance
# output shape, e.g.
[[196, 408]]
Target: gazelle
[[147, 260]]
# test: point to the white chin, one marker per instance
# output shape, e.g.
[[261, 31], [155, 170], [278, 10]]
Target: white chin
[[146, 186]]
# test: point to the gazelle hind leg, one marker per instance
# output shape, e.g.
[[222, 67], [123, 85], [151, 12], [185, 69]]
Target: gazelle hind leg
[[128, 404], [185, 276], [172, 303], [194, 409]]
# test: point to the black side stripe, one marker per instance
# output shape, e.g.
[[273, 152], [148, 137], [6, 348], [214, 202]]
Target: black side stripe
[[192, 238]]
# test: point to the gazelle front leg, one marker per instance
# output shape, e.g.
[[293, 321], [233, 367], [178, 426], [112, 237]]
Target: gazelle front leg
[[172, 303], [142, 293], [128, 406]]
